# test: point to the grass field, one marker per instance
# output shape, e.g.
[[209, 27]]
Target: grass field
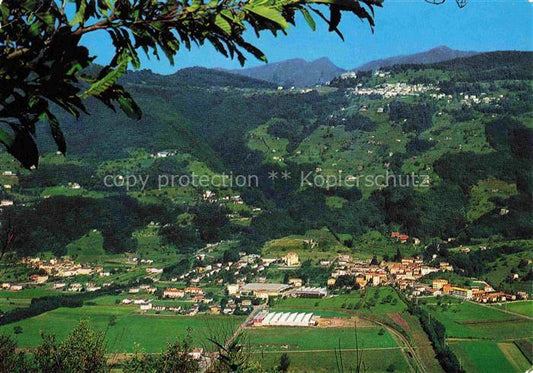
[[313, 349], [482, 193], [522, 307], [515, 356], [280, 338], [375, 243], [68, 191], [309, 361], [482, 337], [327, 246], [9, 304], [320, 313], [470, 320], [88, 248], [151, 333], [393, 314], [273, 148], [488, 356]]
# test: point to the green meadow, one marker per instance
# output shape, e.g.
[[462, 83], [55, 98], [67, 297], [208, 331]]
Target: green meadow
[[311, 361], [522, 307], [470, 320], [88, 248], [151, 333], [489, 356], [313, 349], [482, 336], [280, 338]]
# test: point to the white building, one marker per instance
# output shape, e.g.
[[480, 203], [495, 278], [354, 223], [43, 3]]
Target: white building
[[233, 289], [154, 270], [296, 319], [146, 307]]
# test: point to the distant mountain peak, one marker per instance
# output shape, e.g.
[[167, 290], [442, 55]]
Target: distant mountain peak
[[294, 72], [443, 48], [434, 55], [322, 59]]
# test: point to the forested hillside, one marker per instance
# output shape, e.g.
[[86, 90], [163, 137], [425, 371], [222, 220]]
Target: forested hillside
[[465, 125]]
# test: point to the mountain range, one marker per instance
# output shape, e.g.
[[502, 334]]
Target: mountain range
[[301, 73], [294, 72], [438, 54]]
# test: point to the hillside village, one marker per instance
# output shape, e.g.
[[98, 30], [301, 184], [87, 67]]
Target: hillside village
[[248, 287]]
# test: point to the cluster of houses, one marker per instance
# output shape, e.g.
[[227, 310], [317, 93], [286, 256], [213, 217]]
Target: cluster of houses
[[406, 275], [76, 287], [11, 287], [198, 300], [10, 177], [58, 268], [63, 267], [6, 203], [481, 292], [164, 154], [403, 238], [195, 294], [212, 197], [247, 265], [248, 285], [388, 90], [365, 273], [60, 286], [469, 100], [408, 270]]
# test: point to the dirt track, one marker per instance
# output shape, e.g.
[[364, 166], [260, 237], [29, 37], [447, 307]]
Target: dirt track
[[342, 322]]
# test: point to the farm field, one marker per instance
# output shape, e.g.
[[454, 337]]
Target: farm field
[[522, 307], [320, 313], [313, 349], [482, 336], [149, 332], [470, 320], [309, 361], [284, 338], [9, 304], [489, 356]]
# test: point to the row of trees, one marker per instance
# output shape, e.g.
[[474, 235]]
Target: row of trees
[[437, 333]]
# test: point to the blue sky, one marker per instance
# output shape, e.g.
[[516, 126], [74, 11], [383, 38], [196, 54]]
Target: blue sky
[[402, 27]]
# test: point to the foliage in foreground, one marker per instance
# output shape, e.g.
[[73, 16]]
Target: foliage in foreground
[[83, 350]]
